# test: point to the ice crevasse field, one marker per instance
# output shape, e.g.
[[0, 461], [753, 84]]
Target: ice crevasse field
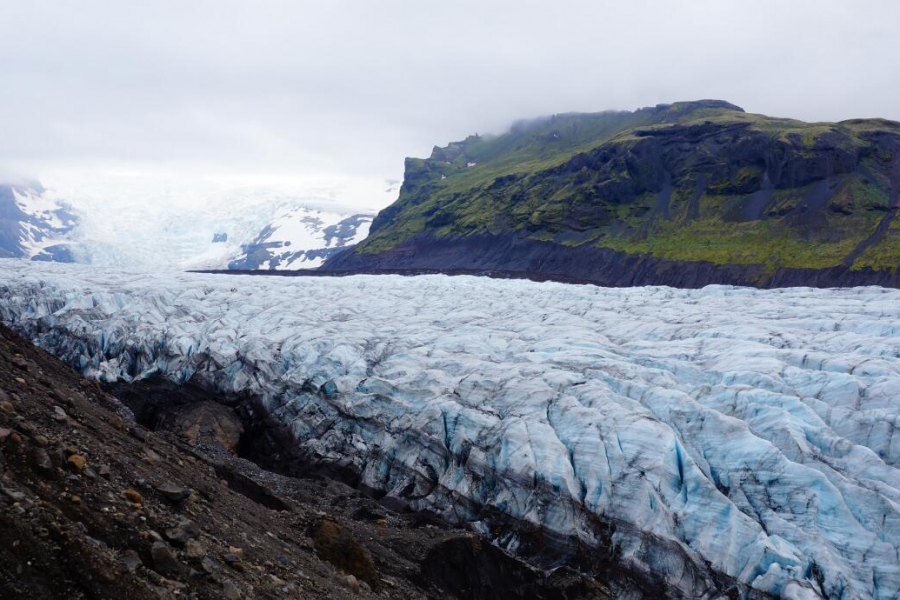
[[755, 431]]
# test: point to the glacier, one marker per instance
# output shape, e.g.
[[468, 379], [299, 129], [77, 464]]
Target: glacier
[[748, 433], [199, 223]]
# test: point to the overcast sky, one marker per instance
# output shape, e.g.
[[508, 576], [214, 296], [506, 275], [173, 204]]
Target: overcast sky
[[266, 89]]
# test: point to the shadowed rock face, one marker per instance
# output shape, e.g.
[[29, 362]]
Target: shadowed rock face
[[195, 415], [514, 255], [687, 194], [473, 569]]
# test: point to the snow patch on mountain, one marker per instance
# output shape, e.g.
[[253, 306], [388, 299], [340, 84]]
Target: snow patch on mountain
[[302, 237], [35, 224], [748, 432], [157, 225]]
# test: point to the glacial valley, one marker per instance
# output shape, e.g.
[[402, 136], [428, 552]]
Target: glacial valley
[[713, 439]]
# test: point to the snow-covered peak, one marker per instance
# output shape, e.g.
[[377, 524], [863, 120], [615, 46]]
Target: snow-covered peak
[[35, 224], [302, 237]]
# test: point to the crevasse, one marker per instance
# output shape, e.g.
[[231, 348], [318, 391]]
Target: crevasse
[[754, 431]]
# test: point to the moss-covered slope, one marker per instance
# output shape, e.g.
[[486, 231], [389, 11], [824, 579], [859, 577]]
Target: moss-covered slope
[[688, 183]]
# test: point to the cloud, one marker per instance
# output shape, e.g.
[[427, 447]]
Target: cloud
[[294, 87]]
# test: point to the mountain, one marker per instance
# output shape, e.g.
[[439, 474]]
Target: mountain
[[269, 233], [706, 444], [301, 237], [685, 194], [33, 225]]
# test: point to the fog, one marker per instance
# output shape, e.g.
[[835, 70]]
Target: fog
[[265, 91]]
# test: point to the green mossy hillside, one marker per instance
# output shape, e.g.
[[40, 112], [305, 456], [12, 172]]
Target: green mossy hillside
[[691, 181]]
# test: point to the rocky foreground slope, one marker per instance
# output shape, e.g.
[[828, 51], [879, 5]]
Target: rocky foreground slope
[[686, 194], [94, 505], [711, 443]]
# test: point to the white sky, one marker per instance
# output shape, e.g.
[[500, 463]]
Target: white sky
[[177, 93]]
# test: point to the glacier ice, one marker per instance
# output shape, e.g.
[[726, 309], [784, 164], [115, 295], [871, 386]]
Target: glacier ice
[[754, 431], [168, 222]]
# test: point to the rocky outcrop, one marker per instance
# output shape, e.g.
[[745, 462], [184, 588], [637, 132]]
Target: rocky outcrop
[[195, 415]]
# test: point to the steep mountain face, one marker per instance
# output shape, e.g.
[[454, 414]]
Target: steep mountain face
[[300, 238], [34, 226], [686, 194], [656, 439]]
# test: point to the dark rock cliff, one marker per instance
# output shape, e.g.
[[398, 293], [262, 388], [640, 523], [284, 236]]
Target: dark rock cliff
[[511, 256]]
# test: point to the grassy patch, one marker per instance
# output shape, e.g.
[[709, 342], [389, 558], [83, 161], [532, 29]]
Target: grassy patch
[[771, 242], [885, 255], [756, 242]]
